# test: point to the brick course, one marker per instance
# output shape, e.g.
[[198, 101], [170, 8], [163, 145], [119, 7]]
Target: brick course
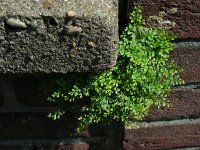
[[162, 137], [186, 18], [184, 104]]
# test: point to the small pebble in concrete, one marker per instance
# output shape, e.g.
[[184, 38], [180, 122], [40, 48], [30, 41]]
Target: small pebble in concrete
[[16, 23], [74, 44], [72, 29], [1, 38], [72, 55], [2, 61], [91, 44], [70, 14], [33, 25], [31, 57]]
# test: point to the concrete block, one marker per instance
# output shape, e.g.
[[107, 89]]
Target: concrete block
[[60, 36]]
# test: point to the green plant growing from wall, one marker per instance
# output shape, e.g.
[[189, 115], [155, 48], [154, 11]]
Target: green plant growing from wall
[[142, 77]]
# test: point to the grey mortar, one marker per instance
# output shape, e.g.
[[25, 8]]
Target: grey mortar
[[34, 39], [165, 123], [187, 44]]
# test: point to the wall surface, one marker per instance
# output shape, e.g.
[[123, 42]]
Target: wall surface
[[23, 107], [177, 126]]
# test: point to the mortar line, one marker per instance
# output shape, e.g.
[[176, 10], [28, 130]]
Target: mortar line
[[190, 121], [190, 85], [187, 40]]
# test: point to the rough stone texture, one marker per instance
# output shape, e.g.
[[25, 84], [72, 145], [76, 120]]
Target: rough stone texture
[[162, 137], [185, 104], [44, 36], [186, 18], [188, 59]]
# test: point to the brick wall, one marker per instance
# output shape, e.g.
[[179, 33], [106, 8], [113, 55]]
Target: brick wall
[[177, 126]]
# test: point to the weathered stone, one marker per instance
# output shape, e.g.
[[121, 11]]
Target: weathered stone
[[44, 47], [16, 23], [186, 14]]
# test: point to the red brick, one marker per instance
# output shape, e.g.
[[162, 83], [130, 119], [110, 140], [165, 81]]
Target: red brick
[[188, 59], [186, 18], [161, 137], [185, 103]]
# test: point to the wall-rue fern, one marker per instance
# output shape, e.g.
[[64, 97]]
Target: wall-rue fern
[[142, 77]]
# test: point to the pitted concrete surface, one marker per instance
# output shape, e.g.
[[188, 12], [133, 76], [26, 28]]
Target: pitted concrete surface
[[44, 36]]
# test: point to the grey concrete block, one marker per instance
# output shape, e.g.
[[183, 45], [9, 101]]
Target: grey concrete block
[[60, 36]]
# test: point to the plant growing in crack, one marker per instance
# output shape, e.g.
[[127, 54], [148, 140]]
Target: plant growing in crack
[[142, 77]]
